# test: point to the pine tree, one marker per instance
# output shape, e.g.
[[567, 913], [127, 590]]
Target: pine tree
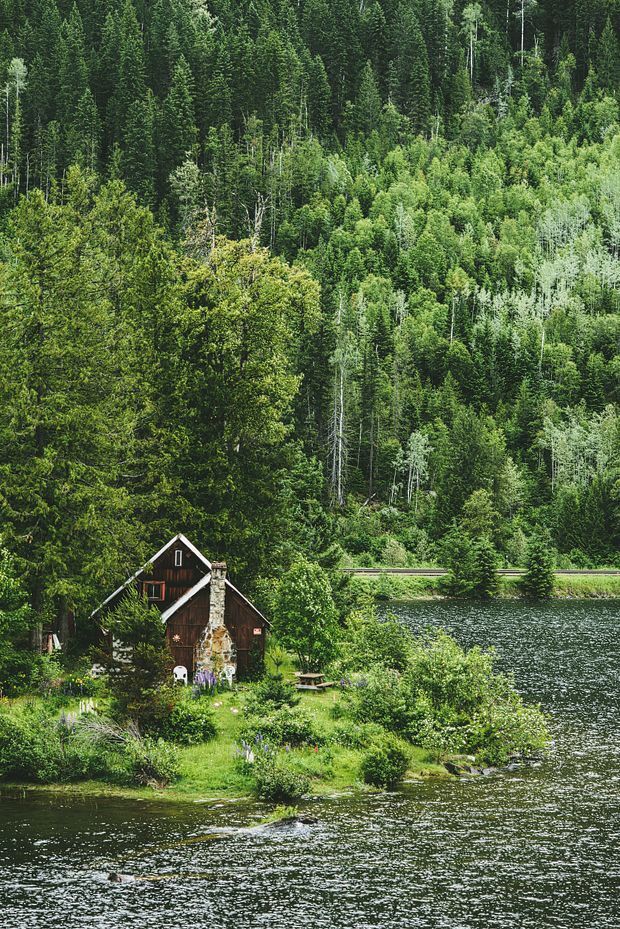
[[83, 137], [138, 154], [486, 580], [60, 426], [608, 59], [177, 127], [410, 76], [367, 107], [319, 98], [538, 581], [129, 82]]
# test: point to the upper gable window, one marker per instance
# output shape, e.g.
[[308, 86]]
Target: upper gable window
[[178, 557], [154, 590]]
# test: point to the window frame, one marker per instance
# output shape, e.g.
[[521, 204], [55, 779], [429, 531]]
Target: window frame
[[178, 557], [162, 590]]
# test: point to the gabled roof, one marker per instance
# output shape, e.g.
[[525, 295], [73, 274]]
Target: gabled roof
[[177, 538], [191, 593]]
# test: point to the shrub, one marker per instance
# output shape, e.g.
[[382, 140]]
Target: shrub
[[274, 780], [35, 747], [25, 751], [381, 697], [20, 669], [385, 762], [394, 554], [271, 692], [284, 726], [369, 641], [190, 723], [80, 684], [354, 735], [151, 762], [129, 757], [449, 700]]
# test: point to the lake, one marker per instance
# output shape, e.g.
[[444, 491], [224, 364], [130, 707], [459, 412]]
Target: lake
[[526, 849]]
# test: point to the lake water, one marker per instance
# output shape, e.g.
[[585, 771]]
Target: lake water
[[519, 850]]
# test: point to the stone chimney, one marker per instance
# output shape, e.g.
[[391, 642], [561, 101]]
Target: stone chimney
[[218, 595]]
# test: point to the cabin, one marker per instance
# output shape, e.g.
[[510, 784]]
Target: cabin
[[210, 624]]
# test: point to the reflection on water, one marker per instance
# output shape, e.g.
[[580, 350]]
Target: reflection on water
[[532, 849]]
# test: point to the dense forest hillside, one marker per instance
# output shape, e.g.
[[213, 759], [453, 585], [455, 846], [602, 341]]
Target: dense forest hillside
[[284, 274]]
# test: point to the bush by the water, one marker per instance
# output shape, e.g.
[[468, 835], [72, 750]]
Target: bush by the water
[[385, 762], [369, 642], [351, 734], [449, 700], [275, 781], [37, 747], [284, 726], [151, 762], [190, 722]]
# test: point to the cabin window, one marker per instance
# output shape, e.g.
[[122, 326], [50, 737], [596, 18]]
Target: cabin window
[[178, 557], [154, 590]]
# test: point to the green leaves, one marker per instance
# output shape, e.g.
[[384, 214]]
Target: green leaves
[[305, 617]]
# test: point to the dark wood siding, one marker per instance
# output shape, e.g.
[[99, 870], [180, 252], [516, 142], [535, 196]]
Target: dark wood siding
[[241, 620], [188, 623], [178, 580]]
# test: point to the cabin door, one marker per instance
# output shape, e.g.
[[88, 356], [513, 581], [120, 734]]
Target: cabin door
[[184, 655]]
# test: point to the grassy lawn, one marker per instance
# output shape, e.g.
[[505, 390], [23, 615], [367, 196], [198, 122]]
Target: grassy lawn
[[211, 770]]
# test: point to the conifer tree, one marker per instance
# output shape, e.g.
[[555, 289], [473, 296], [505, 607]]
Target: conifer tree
[[538, 580], [177, 126], [608, 59], [367, 106]]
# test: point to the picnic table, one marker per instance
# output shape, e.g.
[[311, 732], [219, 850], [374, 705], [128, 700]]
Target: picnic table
[[311, 681]]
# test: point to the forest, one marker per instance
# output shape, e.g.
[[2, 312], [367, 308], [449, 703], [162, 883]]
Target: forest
[[329, 278]]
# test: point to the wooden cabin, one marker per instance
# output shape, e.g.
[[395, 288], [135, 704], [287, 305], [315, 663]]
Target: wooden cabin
[[209, 622]]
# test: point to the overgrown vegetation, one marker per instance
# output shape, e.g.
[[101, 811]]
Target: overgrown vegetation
[[335, 271]]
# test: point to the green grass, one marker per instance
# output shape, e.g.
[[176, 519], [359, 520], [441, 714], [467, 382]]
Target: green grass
[[574, 586], [396, 586], [403, 587], [211, 771]]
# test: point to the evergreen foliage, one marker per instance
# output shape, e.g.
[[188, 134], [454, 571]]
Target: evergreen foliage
[[538, 579], [287, 273]]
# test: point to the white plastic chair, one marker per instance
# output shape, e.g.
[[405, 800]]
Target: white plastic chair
[[229, 673], [180, 674]]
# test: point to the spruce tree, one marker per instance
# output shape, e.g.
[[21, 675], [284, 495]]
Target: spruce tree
[[367, 107], [608, 59], [539, 580], [319, 98], [485, 580], [177, 126]]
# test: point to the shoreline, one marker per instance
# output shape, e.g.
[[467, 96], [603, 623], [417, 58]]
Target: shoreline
[[209, 771], [404, 587]]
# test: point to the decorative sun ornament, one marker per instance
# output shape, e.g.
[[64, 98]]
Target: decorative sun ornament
[[176, 637]]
